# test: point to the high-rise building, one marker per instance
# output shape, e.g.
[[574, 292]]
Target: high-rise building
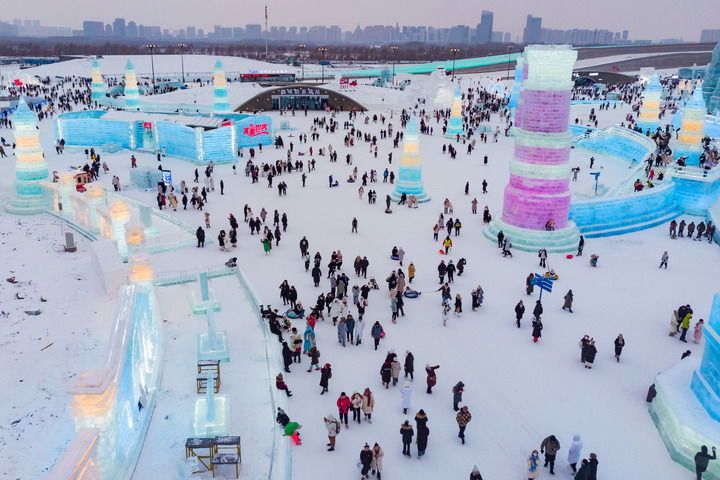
[[131, 31], [238, 33], [108, 30], [710, 36], [625, 35], [119, 27], [200, 33], [93, 29], [506, 37], [533, 29], [483, 31], [190, 32], [253, 31]]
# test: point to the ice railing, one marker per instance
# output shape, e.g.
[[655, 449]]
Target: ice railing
[[281, 461], [692, 173], [175, 277]]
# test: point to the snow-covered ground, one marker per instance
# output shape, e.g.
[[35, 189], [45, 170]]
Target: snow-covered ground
[[518, 392]]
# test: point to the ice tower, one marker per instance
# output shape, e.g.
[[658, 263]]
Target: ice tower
[[220, 94], [689, 142], [539, 187], [712, 74], [686, 408], [410, 174], [714, 106], [455, 127], [649, 116], [97, 88], [30, 166], [132, 94]]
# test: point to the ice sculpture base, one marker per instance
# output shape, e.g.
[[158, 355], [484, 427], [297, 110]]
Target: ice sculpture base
[[561, 240], [219, 425], [421, 198], [18, 206], [681, 420], [213, 349], [200, 306]]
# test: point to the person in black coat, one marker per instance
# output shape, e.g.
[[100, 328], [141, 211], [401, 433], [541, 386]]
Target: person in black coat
[[316, 275], [325, 376], [588, 353], [593, 463], [407, 433], [366, 457], [423, 432], [538, 310], [619, 345], [583, 472], [702, 458], [475, 474], [200, 235], [537, 329], [519, 312], [287, 356], [409, 364]]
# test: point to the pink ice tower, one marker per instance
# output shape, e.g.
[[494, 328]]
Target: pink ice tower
[[538, 193]]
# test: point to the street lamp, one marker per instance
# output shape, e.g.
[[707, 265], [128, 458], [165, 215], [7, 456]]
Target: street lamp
[[509, 50], [182, 60], [302, 47], [152, 48], [322, 51], [395, 50], [454, 52]]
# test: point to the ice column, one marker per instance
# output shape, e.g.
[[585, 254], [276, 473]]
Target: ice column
[[410, 173], [220, 94], [539, 186], [119, 216], [455, 127], [712, 74], [97, 88], [649, 116], [132, 94], [30, 166], [691, 132]]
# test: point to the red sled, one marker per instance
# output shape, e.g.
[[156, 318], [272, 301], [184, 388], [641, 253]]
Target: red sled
[[441, 252]]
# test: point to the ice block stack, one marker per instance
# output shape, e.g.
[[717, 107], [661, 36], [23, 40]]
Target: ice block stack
[[30, 165], [220, 94], [515, 93], [539, 187], [97, 88], [410, 173], [712, 74], [649, 116], [455, 126], [691, 132], [132, 94]]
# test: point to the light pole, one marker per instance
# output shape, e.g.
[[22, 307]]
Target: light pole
[[395, 50], [454, 52], [152, 47], [509, 50], [182, 60], [322, 51], [302, 63]]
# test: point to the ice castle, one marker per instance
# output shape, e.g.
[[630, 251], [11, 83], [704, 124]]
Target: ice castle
[[691, 132], [649, 116]]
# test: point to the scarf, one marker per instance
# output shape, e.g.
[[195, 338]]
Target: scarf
[[533, 463]]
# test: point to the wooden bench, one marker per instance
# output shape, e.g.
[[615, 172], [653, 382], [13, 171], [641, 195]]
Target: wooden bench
[[208, 366], [226, 459], [193, 444], [227, 447], [202, 382]]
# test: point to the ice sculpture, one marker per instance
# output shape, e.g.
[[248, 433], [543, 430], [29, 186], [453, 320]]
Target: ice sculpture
[[212, 345], [513, 102], [30, 166], [686, 408], [537, 198], [97, 89], [220, 94], [689, 142], [714, 106], [410, 173], [211, 417], [455, 126], [649, 116], [132, 94], [119, 216], [712, 74]]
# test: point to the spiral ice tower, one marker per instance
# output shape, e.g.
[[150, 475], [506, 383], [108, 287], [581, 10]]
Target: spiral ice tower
[[649, 116], [691, 131], [455, 126], [97, 88], [132, 94], [410, 174], [220, 94]]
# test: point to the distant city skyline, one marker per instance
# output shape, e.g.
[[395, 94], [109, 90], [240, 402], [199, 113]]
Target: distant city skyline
[[660, 20]]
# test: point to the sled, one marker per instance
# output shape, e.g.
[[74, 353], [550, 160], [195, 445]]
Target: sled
[[569, 256], [441, 251], [411, 294], [394, 257], [291, 314]]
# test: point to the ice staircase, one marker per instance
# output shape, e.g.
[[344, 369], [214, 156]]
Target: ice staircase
[[619, 142]]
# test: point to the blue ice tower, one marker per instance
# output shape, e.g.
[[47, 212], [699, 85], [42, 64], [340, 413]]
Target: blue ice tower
[[649, 116], [712, 74], [410, 172], [220, 93], [97, 88], [455, 126], [30, 166], [515, 92], [691, 133], [132, 94]]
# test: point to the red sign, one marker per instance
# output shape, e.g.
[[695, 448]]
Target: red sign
[[147, 125], [344, 82], [226, 123], [18, 83], [254, 130]]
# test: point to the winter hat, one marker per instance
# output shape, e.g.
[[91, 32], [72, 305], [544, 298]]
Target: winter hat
[[475, 469], [450, 261], [442, 261], [327, 365]]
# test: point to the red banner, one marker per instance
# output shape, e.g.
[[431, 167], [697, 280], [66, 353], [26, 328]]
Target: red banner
[[254, 130]]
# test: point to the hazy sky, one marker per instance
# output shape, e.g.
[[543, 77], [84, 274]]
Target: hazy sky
[[646, 19]]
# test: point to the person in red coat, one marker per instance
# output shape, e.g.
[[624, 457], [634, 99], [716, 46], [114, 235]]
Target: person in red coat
[[343, 404]]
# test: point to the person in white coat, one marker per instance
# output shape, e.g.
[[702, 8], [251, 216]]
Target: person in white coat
[[574, 452], [406, 395], [401, 255], [359, 327], [335, 310]]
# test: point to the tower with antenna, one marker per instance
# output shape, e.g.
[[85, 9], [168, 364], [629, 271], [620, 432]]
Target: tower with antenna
[[266, 34]]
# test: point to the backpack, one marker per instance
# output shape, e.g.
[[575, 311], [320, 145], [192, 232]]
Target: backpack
[[337, 427]]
